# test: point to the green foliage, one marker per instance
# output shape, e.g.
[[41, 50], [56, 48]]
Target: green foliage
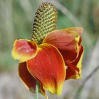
[[63, 21]]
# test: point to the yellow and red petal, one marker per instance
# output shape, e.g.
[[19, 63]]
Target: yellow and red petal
[[74, 67], [24, 50], [75, 30], [66, 39], [28, 80], [49, 68], [72, 72]]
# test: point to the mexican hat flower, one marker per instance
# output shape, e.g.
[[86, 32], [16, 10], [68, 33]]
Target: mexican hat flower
[[52, 56]]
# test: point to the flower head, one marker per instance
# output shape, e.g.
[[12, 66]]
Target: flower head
[[52, 56]]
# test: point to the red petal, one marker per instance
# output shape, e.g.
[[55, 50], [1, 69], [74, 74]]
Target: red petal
[[24, 50], [26, 76], [72, 72], [75, 66], [76, 31], [49, 68], [66, 39], [68, 55], [28, 80]]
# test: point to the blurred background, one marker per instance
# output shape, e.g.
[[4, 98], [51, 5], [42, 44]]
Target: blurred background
[[16, 19]]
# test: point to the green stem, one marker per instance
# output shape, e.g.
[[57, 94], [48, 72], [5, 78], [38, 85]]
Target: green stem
[[37, 90]]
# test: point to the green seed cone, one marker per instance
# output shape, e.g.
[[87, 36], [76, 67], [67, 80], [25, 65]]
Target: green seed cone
[[44, 21]]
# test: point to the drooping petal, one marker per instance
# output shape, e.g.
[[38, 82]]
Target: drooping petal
[[74, 67], [28, 80], [26, 77], [68, 55], [49, 68], [66, 39], [76, 31], [72, 72], [24, 50]]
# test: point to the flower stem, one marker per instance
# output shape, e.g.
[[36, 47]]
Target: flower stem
[[37, 90]]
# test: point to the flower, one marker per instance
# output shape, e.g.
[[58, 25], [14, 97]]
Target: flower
[[52, 58]]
